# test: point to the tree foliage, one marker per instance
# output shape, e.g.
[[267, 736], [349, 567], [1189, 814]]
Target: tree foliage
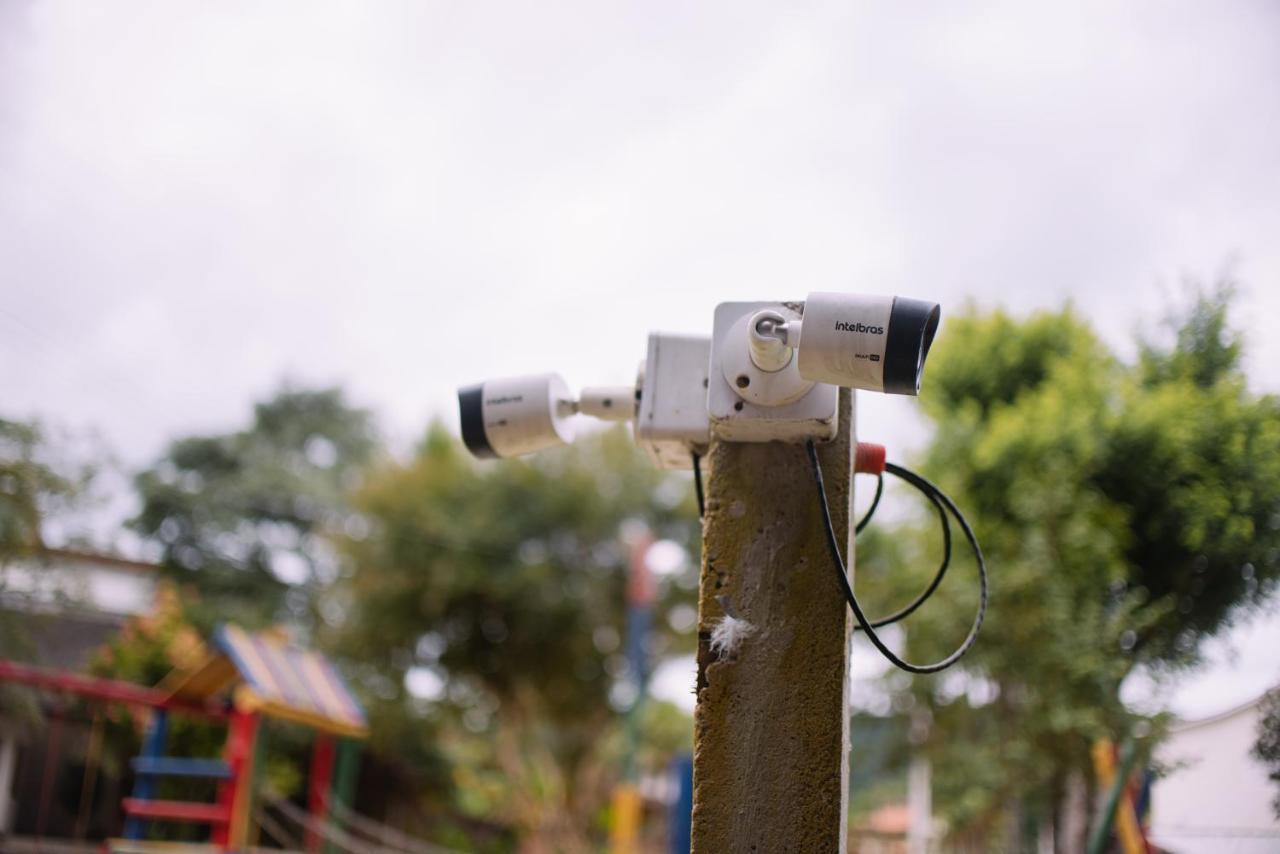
[[506, 581], [37, 480], [1267, 747], [1127, 511], [30, 486], [147, 649], [244, 516], [40, 481]]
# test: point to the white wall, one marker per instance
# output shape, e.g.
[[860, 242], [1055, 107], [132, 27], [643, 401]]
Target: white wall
[[80, 581], [1220, 801]]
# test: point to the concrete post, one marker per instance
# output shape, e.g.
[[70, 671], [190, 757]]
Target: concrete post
[[771, 731]]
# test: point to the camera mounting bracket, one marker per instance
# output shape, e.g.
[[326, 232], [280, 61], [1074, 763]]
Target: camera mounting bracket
[[746, 402]]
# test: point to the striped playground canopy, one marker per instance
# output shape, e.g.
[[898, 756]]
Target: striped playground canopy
[[274, 679]]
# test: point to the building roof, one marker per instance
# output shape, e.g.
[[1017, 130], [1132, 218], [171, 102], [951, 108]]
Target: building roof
[[1247, 706], [62, 581], [275, 679], [100, 559]]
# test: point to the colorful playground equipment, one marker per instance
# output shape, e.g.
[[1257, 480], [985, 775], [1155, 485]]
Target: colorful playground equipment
[[1125, 805], [628, 806], [247, 677]]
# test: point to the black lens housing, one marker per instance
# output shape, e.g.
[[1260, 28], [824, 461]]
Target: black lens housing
[[471, 410], [912, 325]]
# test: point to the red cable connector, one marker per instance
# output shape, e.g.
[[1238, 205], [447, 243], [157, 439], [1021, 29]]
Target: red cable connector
[[869, 458]]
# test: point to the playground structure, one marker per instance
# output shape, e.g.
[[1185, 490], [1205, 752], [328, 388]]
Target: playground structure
[[1126, 803], [246, 678]]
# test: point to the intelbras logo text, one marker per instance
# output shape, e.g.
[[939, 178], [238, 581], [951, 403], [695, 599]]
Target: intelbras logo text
[[842, 326]]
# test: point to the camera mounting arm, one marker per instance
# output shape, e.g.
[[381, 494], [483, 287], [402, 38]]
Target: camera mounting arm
[[608, 402]]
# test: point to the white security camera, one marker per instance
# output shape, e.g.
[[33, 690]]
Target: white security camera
[[775, 366], [513, 416], [868, 342]]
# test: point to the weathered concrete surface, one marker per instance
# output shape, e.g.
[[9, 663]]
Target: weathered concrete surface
[[771, 727]]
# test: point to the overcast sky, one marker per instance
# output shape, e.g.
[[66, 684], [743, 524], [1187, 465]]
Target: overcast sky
[[198, 199]]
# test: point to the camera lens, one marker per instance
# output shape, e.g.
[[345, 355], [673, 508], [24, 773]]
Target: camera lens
[[471, 410], [912, 325]]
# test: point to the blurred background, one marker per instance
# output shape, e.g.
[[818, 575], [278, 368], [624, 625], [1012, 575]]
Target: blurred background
[[248, 252]]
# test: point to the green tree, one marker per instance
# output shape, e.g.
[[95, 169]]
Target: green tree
[[23, 482], [1128, 511], [1194, 461], [244, 516], [506, 580], [41, 481], [148, 649], [37, 481], [31, 486], [1267, 747]]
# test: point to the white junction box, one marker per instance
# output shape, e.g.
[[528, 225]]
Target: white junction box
[[748, 404], [671, 418]]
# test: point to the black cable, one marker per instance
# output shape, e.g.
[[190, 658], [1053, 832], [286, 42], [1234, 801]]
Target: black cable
[[875, 502], [842, 575], [942, 567], [697, 481]]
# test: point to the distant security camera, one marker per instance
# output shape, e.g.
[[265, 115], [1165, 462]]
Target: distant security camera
[[513, 416]]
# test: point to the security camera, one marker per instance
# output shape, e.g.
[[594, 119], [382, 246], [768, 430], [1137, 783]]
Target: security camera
[[869, 342], [775, 366], [513, 416]]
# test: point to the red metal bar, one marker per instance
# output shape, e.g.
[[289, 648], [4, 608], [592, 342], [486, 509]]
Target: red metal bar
[[319, 786], [107, 690], [237, 753], [176, 811]]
